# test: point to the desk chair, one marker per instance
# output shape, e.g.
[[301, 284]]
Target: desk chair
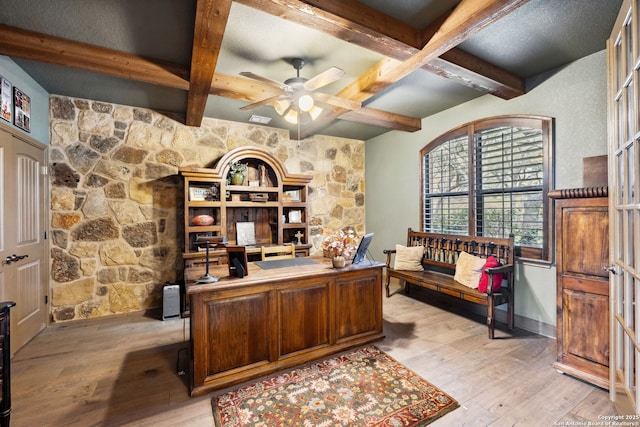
[[271, 253]]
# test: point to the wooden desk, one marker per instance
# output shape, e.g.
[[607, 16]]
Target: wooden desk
[[274, 319]]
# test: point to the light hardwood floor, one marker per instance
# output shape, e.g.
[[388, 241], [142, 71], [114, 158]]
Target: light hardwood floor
[[121, 370]]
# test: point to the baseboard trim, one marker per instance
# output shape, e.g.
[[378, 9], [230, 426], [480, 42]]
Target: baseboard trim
[[531, 325]]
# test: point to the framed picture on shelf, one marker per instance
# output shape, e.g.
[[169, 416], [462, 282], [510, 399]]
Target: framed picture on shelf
[[198, 194], [293, 195], [21, 110], [6, 105], [295, 217], [246, 233]]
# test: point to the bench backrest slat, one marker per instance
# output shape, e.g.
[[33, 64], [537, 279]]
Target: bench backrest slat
[[443, 250]]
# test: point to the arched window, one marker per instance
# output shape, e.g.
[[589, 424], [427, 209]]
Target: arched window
[[491, 178]]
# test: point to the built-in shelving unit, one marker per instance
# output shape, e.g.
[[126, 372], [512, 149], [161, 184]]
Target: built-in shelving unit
[[268, 208]]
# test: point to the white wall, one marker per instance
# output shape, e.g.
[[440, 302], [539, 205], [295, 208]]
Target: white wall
[[39, 99], [574, 95]]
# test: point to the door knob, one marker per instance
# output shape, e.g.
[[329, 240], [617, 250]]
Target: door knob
[[611, 269], [13, 258]]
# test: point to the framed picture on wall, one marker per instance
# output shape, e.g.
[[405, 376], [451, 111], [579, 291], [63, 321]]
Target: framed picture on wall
[[6, 106], [21, 110]]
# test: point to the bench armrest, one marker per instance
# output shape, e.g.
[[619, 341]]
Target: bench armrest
[[500, 269], [389, 252], [506, 270]]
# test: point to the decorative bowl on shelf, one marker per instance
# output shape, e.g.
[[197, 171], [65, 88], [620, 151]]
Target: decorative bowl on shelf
[[202, 220]]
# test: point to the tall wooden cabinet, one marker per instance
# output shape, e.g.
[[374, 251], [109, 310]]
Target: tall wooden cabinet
[[271, 201], [582, 255], [5, 360]]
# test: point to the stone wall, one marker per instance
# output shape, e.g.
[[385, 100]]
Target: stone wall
[[116, 197]]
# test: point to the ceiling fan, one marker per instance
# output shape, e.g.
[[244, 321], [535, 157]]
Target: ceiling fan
[[299, 102]]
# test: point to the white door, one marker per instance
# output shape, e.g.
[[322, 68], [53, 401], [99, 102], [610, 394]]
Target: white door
[[624, 207], [23, 260]]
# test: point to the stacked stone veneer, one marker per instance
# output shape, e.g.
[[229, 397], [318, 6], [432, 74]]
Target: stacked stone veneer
[[116, 197]]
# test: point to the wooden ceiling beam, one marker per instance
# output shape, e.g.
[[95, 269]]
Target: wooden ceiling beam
[[241, 88], [430, 30], [456, 63], [371, 82], [48, 49], [347, 20], [19, 43], [365, 115], [469, 70], [469, 17], [211, 20], [385, 119], [363, 26]]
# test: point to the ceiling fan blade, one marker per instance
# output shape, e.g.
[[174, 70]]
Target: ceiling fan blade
[[275, 83], [324, 78], [336, 101], [265, 101]]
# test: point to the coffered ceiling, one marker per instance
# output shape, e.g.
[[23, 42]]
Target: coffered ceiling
[[404, 60]]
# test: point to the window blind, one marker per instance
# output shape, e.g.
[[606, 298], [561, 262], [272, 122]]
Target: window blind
[[490, 178]]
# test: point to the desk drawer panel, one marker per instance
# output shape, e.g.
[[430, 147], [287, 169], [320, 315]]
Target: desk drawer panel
[[238, 333], [358, 309], [304, 318]]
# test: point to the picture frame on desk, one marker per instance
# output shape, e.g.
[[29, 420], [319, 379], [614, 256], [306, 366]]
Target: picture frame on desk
[[237, 256]]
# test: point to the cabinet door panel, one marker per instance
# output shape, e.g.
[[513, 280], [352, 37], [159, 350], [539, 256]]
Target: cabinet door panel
[[586, 319], [304, 318], [585, 284], [357, 307], [586, 253], [238, 333]]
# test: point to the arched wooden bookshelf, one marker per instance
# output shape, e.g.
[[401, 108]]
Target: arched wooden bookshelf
[[271, 202]]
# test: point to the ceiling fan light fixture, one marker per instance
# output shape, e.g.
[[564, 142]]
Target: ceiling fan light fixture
[[291, 116], [281, 106], [315, 112], [296, 103], [305, 102]]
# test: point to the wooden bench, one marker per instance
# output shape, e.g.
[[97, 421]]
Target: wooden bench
[[439, 262]]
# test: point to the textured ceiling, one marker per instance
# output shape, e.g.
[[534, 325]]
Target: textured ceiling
[[537, 37]]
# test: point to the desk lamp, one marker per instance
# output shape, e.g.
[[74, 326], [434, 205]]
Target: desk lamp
[[220, 242]]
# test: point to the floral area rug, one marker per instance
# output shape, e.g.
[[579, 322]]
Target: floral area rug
[[364, 387]]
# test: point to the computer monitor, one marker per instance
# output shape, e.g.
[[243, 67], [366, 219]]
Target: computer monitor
[[362, 248]]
